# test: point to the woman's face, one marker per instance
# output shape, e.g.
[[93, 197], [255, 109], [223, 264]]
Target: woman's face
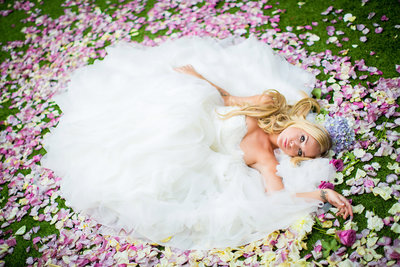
[[296, 142]]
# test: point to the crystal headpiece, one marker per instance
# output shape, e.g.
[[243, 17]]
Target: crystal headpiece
[[339, 129]]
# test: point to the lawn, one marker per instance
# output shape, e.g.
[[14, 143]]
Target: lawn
[[354, 45]]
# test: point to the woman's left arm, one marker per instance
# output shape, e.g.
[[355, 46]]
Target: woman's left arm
[[229, 100]]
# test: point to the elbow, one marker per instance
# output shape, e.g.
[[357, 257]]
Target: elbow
[[226, 100], [273, 189]]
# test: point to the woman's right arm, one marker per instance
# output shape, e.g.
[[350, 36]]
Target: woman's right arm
[[334, 198], [273, 183], [229, 100]]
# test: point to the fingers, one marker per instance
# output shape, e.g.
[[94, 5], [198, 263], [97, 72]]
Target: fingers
[[184, 69], [344, 207], [347, 206], [179, 69], [263, 99], [342, 204], [343, 211]]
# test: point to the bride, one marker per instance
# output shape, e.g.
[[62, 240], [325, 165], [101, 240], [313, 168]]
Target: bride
[[175, 159]]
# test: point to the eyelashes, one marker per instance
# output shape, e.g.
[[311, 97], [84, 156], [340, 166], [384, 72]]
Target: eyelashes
[[300, 153], [302, 139]]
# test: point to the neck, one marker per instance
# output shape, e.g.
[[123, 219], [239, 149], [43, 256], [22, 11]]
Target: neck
[[273, 139]]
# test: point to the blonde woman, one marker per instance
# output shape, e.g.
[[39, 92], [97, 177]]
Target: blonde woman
[[272, 124], [148, 152]]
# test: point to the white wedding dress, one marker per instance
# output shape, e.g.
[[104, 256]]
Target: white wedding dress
[[142, 148]]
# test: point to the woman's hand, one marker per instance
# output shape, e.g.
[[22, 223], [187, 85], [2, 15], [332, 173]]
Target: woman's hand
[[337, 200], [262, 99], [188, 69]]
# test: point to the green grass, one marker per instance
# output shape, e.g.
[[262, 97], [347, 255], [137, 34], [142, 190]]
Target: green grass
[[385, 45]]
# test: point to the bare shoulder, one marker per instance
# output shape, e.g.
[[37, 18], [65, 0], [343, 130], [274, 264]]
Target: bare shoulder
[[256, 147], [251, 123]]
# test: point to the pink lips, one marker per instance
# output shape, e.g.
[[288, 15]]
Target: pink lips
[[285, 143]]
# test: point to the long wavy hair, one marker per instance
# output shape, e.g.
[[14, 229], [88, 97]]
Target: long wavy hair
[[277, 115]]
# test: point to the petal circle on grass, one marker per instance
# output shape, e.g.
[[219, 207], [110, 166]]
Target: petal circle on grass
[[79, 36]]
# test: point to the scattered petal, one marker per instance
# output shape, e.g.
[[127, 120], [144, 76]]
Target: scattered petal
[[21, 230], [365, 31], [349, 17], [360, 27], [371, 15], [395, 228], [384, 18]]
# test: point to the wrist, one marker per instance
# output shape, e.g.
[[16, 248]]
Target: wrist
[[323, 195]]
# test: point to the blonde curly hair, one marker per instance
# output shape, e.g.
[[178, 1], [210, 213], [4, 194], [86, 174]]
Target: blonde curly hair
[[277, 115]]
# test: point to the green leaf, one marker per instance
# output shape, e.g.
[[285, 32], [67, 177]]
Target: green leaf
[[331, 245], [323, 111], [317, 93], [350, 156], [325, 254], [334, 244], [326, 245]]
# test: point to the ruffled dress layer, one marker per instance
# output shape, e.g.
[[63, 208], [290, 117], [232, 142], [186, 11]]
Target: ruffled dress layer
[[143, 150]]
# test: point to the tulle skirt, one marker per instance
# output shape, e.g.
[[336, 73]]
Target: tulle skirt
[[143, 150]]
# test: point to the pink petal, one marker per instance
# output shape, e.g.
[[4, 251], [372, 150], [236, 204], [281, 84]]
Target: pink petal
[[327, 11], [370, 15], [36, 239], [360, 27], [11, 242]]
